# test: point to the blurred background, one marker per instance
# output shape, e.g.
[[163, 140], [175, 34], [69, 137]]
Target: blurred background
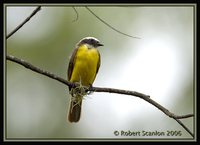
[[160, 64]]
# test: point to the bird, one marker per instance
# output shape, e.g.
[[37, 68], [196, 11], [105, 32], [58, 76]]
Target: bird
[[82, 69]]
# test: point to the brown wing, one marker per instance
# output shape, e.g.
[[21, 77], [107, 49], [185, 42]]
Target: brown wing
[[98, 63], [71, 64]]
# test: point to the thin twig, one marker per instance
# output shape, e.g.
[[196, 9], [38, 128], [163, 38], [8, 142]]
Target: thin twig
[[98, 89], [109, 24], [76, 14], [24, 22]]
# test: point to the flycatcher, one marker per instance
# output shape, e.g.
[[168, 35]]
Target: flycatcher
[[83, 68]]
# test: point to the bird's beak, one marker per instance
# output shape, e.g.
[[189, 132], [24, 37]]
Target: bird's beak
[[99, 44]]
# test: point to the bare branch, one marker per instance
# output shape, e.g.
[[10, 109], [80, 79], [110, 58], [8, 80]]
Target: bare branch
[[76, 14], [142, 96], [109, 24], [184, 116], [38, 70], [149, 100], [24, 22], [109, 90]]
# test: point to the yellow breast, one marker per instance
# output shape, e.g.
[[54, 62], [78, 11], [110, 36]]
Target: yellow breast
[[85, 65]]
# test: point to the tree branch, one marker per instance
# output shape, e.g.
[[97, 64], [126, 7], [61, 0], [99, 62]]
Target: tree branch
[[38, 70], [109, 24], [109, 90], [24, 22]]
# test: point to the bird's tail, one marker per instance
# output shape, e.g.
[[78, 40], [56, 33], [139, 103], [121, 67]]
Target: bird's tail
[[75, 110]]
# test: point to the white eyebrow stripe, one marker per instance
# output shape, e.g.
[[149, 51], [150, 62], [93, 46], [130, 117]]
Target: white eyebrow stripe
[[89, 45], [91, 38]]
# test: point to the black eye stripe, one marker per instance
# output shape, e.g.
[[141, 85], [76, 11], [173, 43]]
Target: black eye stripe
[[91, 41]]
